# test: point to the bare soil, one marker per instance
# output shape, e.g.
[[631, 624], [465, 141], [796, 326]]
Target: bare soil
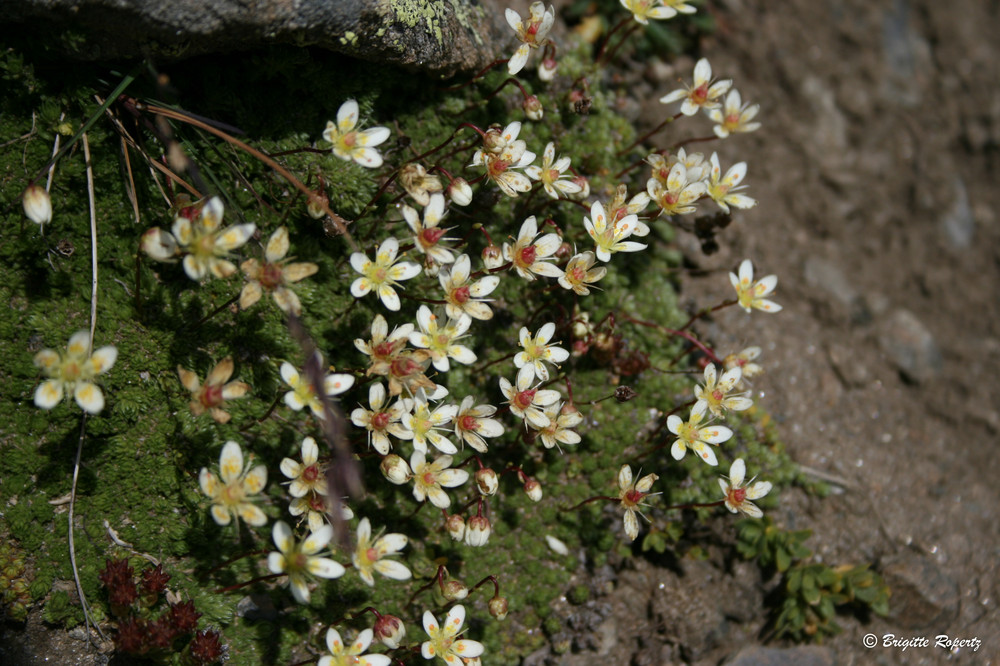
[[875, 176]]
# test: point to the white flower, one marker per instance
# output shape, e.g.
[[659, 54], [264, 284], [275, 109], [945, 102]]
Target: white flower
[[735, 117], [426, 426], [307, 476], [724, 190], [349, 144], [537, 351], [341, 655], [745, 361], [678, 194], [441, 340], [300, 561], [530, 257], [370, 556], [274, 275], [643, 10], [702, 94], [427, 234], [418, 184], [610, 238], [73, 372], [580, 273], [317, 509], [562, 418], [552, 174], [429, 479], [527, 403], [202, 241], [751, 294], [444, 642], [381, 421], [715, 396], [631, 496], [691, 434], [532, 33], [230, 490], [464, 296], [382, 274], [738, 497], [512, 154], [473, 422], [303, 393]]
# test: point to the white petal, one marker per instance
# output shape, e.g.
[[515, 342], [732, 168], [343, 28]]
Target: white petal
[[324, 567]]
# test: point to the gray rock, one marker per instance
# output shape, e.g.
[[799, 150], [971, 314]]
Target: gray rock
[[257, 608], [830, 278], [802, 655], [910, 346], [958, 223], [435, 36], [923, 597]]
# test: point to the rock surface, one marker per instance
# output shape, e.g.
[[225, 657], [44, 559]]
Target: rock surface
[[435, 36]]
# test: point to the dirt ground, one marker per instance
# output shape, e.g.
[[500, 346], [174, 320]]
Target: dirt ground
[[875, 175]]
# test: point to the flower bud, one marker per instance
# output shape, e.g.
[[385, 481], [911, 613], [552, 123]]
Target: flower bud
[[317, 200], [533, 107], [492, 257], [455, 590], [455, 525], [390, 630], [547, 69], [460, 192], [493, 139], [534, 490], [395, 469], [487, 481], [584, 187], [477, 532], [498, 607], [37, 205]]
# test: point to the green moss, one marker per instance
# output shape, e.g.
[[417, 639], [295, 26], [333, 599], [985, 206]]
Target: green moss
[[142, 456]]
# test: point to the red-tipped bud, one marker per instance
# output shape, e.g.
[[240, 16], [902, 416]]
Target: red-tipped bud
[[492, 257], [390, 630], [534, 490], [487, 481], [455, 525], [455, 590], [395, 469], [498, 607], [477, 532], [460, 192], [533, 108]]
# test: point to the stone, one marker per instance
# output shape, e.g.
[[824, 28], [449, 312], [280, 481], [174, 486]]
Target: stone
[[958, 223], [910, 346], [923, 596], [801, 655], [434, 36], [257, 608]]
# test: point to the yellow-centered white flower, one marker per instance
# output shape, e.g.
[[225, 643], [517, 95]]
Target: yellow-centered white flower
[[383, 274], [371, 555], [444, 642], [349, 144], [301, 560], [751, 294], [73, 372], [738, 496], [610, 235], [232, 489], [532, 32]]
